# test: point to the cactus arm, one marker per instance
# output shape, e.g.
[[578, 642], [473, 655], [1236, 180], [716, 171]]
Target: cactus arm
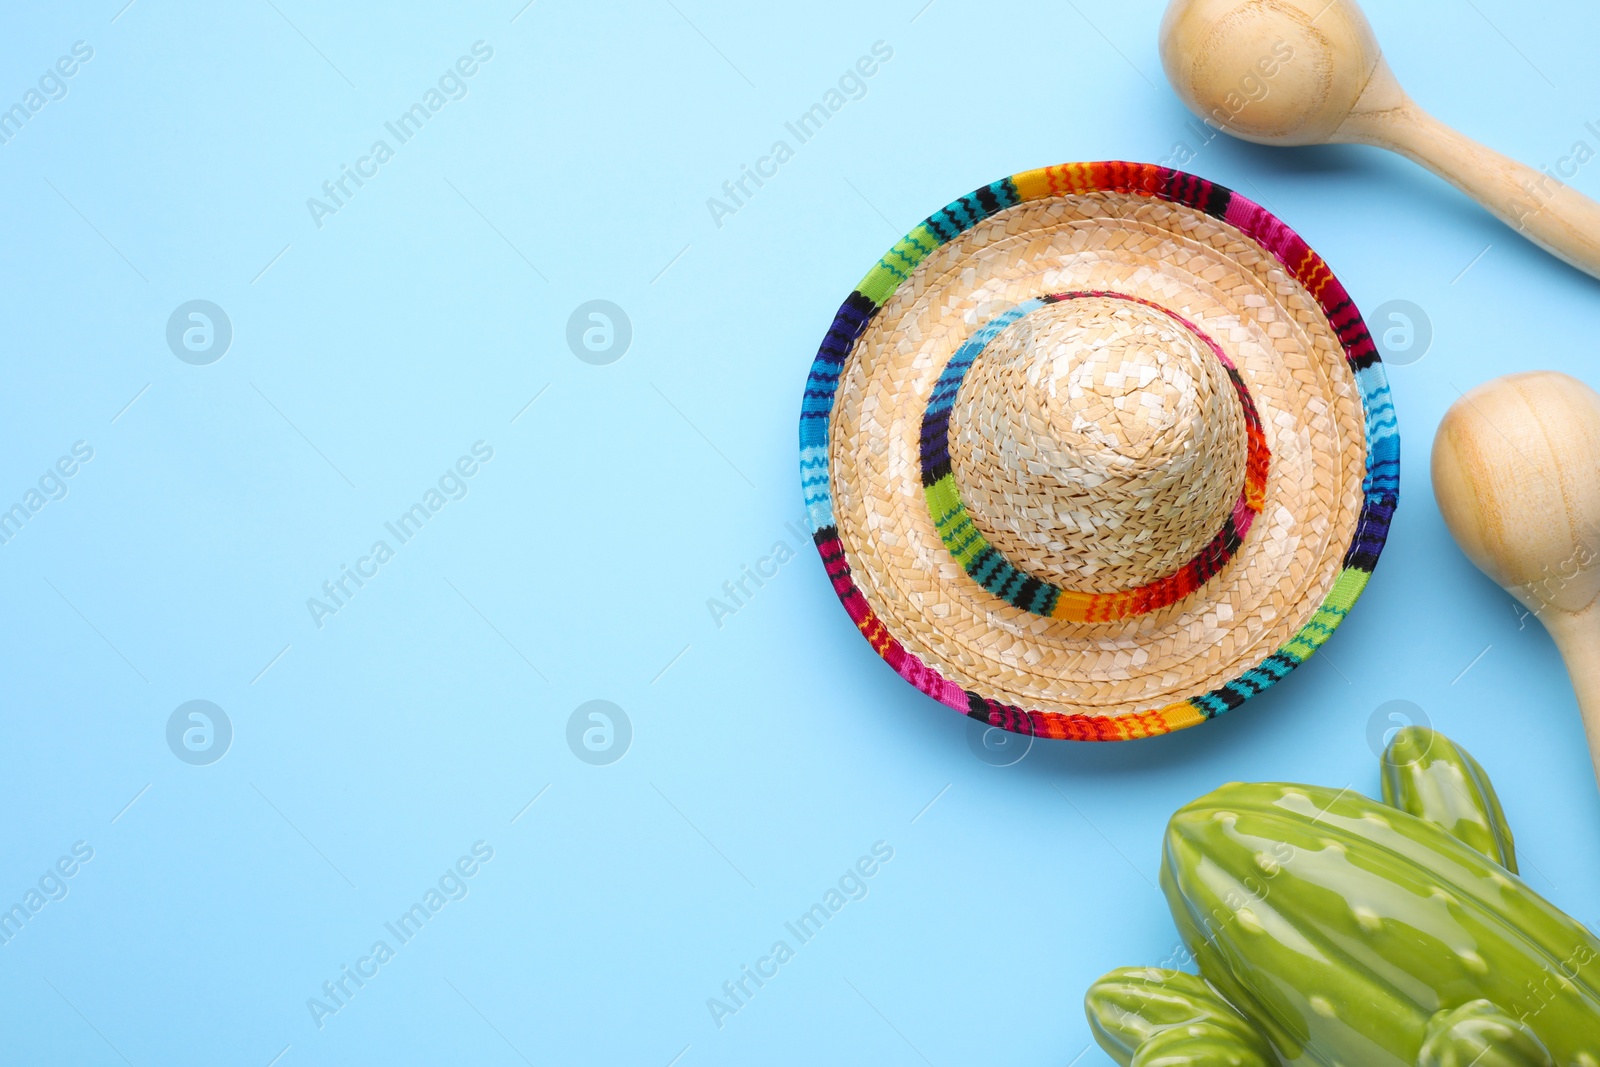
[[1479, 1034], [1146, 1017], [1427, 775]]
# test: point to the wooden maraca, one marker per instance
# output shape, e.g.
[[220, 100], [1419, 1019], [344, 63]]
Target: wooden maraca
[[1516, 472], [1299, 72]]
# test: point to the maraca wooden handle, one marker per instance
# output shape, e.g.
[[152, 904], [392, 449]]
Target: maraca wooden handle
[[1553, 215], [1578, 639]]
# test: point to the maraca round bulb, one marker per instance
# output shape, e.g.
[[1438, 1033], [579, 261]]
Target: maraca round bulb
[[1283, 72]]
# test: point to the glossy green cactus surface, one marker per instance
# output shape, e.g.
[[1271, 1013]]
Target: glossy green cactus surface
[[1430, 776], [1141, 1014], [1349, 933]]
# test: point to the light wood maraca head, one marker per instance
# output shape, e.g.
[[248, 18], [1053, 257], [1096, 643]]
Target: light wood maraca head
[[1286, 72], [1516, 471]]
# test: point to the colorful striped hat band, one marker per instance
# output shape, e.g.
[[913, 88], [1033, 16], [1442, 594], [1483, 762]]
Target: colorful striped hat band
[[1098, 452]]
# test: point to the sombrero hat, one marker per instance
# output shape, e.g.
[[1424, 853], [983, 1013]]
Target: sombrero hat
[[1098, 452]]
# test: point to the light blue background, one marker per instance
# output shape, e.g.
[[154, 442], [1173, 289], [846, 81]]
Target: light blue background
[[768, 753]]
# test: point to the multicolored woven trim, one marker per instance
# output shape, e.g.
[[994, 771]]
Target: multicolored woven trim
[[1381, 486], [991, 569]]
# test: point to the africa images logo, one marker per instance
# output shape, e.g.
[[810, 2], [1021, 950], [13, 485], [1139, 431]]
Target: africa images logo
[[52, 85], [451, 885], [453, 484], [51, 886], [52, 485], [599, 732], [599, 332], [737, 192], [199, 733], [337, 192], [852, 885], [199, 332]]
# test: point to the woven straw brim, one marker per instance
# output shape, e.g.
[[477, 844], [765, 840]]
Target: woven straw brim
[[1180, 243]]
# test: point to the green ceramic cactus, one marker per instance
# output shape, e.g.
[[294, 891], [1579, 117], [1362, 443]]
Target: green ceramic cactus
[[1348, 933], [1478, 1034], [1144, 1016], [1435, 779]]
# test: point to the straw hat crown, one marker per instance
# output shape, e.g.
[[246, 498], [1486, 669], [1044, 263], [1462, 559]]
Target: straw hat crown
[[1098, 443]]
